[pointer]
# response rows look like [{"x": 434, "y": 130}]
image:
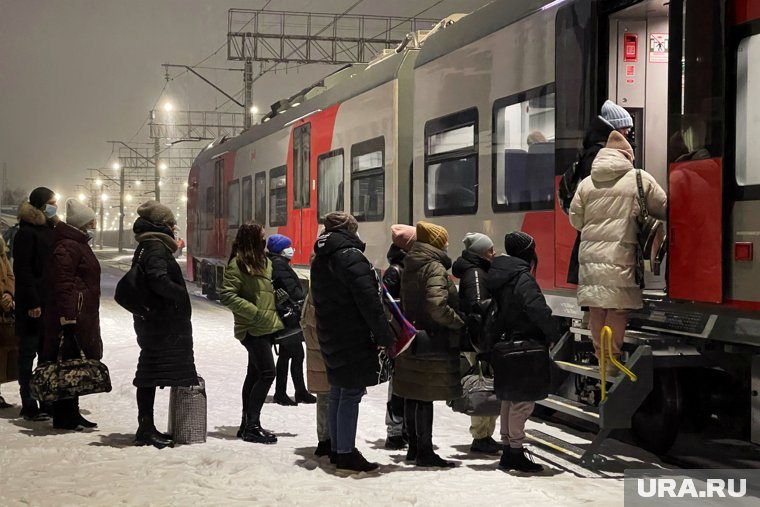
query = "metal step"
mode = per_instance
[
  {"x": 586, "y": 370},
  {"x": 571, "y": 407},
  {"x": 554, "y": 443},
  {"x": 631, "y": 336}
]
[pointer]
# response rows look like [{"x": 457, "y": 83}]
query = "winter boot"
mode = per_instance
[
  {"x": 31, "y": 412},
  {"x": 410, "y": 410},
  {"x": 80, "y": 418},
  {"x": 485, "y": 445},
  {"x": 395, "y": 443},
  {"x": 515, "y": 459},
  {"x": 305, "y": 397},
  {"x": 296, "y": 373},
  {"x": 426, "y": 457},
  {"x": 253, "y": 432},
  {"x": 324, "y": 448},
  {"x": 47, "y": 407},
  {"x": 66, "y": 415},
  {"x": 354, "y": 462},
  {"x": 242, "y": 426},
  {"x": 147, "y": 434},
  {"x": 284, "y": 400}
]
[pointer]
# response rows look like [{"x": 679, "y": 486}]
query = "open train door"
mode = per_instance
[{"x": 696, "y": 131}]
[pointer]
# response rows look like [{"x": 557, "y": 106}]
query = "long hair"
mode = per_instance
[{"x": 248, "y": 248}]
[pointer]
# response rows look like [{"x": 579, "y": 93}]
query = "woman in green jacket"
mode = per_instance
[{"x": 247, "y": 291}]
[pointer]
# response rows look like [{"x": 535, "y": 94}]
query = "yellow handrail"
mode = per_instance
[{"x": 605, "y": 346}]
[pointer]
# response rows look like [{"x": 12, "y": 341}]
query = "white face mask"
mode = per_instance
[{"x": 288, "y": 252}]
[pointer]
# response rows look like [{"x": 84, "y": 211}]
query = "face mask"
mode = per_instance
[
  {"x": 50, "y": 210},
  {"x": 90, "y": 233},
  {"x": 288, "y": 252}
]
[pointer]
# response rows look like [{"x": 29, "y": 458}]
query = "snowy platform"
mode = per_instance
[{"x": 43, "y": 466}]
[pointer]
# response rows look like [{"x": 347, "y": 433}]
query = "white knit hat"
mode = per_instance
[
  {"x": 477, "y": 243},
  {"x": 616, "y": 115},
  {"x": 77, "y": 214}
]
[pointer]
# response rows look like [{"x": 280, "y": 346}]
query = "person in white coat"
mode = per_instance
[{"x": 605, "y": 210}]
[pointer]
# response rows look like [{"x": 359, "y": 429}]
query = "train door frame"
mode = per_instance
[{"x": 302, "y": 184}]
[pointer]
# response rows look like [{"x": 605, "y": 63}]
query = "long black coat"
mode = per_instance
[
  {"x": 350, "y": 319},
  {"x": 165, "y": 336},
  {"x": 75, "y": 275},
  {"x": 32, "y": 250},
  {"x": 283, "y": 277},
  {"x": 523, "y": 312}
]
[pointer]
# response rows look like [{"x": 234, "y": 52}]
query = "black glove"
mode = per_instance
[{"x": 69, "y": 331}]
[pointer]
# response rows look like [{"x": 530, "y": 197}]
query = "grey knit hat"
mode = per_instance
[
  {"x": 341, "y": 220},
  {"x": 616, "y": 115},
  {"x": 77, "y": 214},
  {"x": 477, "y": 243},
  {"x": 156, "y": 213}
]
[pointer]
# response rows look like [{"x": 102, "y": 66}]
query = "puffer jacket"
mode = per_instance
[
  {"x": 472, "y": 271},
  {"x": 316, "y": 372},
  {"x": 605, "y": 210},
  {"x": 351, "y": 321},
  {"x": 284, "y": 277},
  {"x": 251, "y": 299},
  {"x": 430, "y": 301}
]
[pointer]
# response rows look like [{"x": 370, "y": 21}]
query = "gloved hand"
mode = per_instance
[{"x": 69, "y": 331}]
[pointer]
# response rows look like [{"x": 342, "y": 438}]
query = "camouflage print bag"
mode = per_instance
[{"x": 68, "y": 378}]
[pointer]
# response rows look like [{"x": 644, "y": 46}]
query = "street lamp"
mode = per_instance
[
  {"x": 162, "y": 166},
  {"x": 116, "y": 166},
  {"x": 168, "y": 107},
  {"x": 82, "y": 197}
]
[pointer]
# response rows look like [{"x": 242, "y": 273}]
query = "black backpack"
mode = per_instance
[
  {"x": 130, "y": 292},
  {"x": 486, "y": 325}
]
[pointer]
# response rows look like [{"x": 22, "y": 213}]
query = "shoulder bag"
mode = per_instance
[{"x": 130, "y": 292}]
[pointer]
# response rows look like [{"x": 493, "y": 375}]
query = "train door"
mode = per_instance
[{"x": 304, "y": 214}]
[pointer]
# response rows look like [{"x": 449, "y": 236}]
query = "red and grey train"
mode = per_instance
[{"x": 439, "y": 128}]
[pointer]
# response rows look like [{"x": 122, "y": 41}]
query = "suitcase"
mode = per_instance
[{"x": 187, "y": 413}]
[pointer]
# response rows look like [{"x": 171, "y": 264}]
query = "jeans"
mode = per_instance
[
  {"x": 28, "y": 348},
  {"x": 323, "y": 416},
  {"x": 344, "y": 416},
  {"x": 260, "y": 375}
]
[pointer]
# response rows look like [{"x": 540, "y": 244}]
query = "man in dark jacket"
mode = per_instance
[
  {"x": 283, "y": 277},
  {"x": 351, "y": 327},
  {"x": 32, "y": 249},
  {"x": 613, "y": 117},
  {"x": 523, "y": 314},
  {"x": 472, "y": 270}
]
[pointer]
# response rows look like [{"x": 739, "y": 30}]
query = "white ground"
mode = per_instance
[{"x": 43, "y": 466}]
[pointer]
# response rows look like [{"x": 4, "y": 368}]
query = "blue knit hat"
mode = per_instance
[
  {"x": 617, "y": 116},
  {"x": 276, "y": 243}
]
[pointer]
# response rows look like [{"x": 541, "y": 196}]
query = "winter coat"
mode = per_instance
[
  {"x": 472, "y": 271},
  {"x": 251, "y": 299},
  {"x": 351, "y": 322},
  {"x": 75, "y": 275},
  {"x": 430, "y": 301},
  {"x": 165, "y": 335},
  {"x": 523, "y": 312},
  {"x": 605, "y": 210},
  {"x": 7, "y": 280},
  {"x": 32, "y": 249},
  {"x": 595, "y": 139},
  {"x": 316, "y": 372},
  {"x": 284, "y": 277},
  {"x": 392, "y": 275}
]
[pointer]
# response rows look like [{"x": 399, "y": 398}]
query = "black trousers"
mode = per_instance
[
  {"x": 28, "y": 348},
  {"x": 260, "y": 374},
  {"x": 292, "y": 354}
]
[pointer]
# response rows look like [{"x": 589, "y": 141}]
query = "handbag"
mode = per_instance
[
  {"x": 130, "y": 292},
  {"x": 521, "y": 370},
  {"x": 429, "y": 347},
  {"x": 478, "y": 395},
  {"x": 649, "y": 229},
  {"x": 187, "y": 413},
  {"x": 69, "y": 378},
  {"x": 289, "y": 312},
  {"x": 385, "y": 366}
]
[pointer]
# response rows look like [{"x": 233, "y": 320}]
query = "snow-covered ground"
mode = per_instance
[{"x": 43, "y": 466}]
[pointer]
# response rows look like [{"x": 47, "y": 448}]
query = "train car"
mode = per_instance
[{"x": 471, "y": 127}]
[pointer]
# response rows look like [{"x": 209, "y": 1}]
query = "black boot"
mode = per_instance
[
  {"x": 281, "y": 381},
  {"x": 515, "y": 459},
  {"x": 410, "y": 410},
  {"x": 395, "y": 443},
  {"x": 305, "y": 397},
  {"x": 426, "y": 457},
  {"x": 485, "y": 446},
  {"x": 296, "y": 373},
  {"x": 284, "y": 400},
  {"x": 354, "y": 462},
  {"x": 147, "y": 434},
  {"x": 324, "y": 448},
  {"x": 31, "y": 412},
  {"x": 66, "y": 415},
  {"x": 242, "y": 426},
  {"x": 253, "y": 432},
  {"x": 80, "y": 418}
]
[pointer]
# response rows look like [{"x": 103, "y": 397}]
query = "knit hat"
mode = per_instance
[
  {"x": 276, "y": 243},
  {"x": 616, "y": 115},
  {"x": 477, "y": 243},
  {"x": 341, "y": 220},
  {"x": 40, "y": 197},
  {"x": 77, "y": 214},
  {"x": 403, "y": 236},
  {"x": 156, "y": 213},
  {"x": 521, "y": 245},
  {"x": 433, "y": 235},
  {"x": 617, "y": 141}
]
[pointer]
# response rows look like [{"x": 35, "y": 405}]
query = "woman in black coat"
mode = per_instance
[
  {"x": 32, "y": 249},
  {"x": 283, "y": 277},
  {"x": 351, "y": 327},
  {"x": 165, "y": 335}
]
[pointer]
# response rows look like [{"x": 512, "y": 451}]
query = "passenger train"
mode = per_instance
[{"x": 471, "y": 124}]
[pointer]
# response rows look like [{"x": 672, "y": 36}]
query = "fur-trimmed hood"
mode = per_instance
[{"x": 31, "y": 215}]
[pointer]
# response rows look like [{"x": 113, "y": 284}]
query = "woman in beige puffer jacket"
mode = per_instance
[{"x": 605, "y": 209}]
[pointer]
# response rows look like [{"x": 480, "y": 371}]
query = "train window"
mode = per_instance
[
  {"x": 210, "y": 208},
  {"x": 233, "y": 204},
  {"x": 301, "y": 166},
  {"x": 247, "y": 199},
  {"x": 523, "y": 151},
  {"x": 329, "y": 183},
  {"x": 451, "y": 164},
  {"x": 260, "y": 198},
  {"x": 278, "y": 196},
  {"x": 747, "y": 105},
  {"x": 368, "y": 180}
]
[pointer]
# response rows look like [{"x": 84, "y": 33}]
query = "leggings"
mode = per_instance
[{"x": 260, "y": 375}]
